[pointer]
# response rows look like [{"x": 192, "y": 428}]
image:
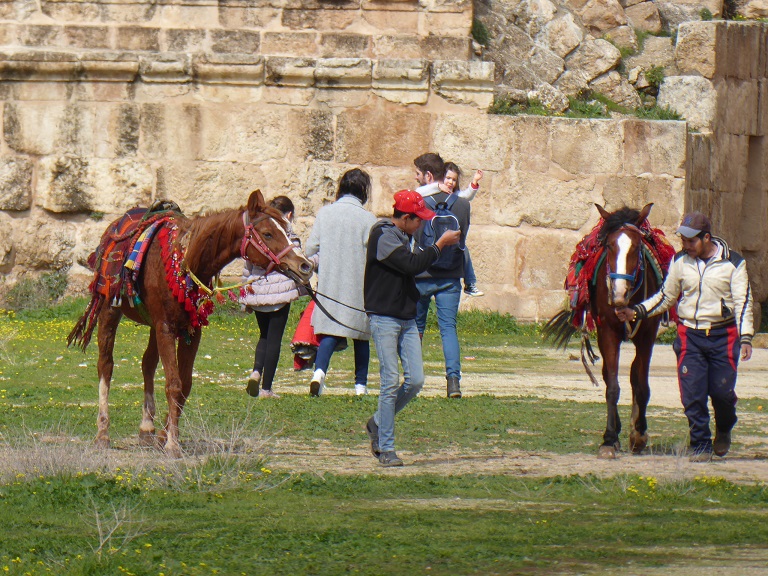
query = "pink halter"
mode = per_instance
[{"x": 253, "y": 238}]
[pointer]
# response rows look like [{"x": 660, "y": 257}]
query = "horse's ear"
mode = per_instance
[
  {"x": 603, "y": 212},
  {"x": 644, "y": 213},
  {"x": 256, "y": 203}
]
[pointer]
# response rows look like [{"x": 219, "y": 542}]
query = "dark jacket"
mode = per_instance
[
  {"x": 460, "y": 209},
  {"x": 390, "y": 267}
]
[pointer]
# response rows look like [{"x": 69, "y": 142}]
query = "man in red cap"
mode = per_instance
[
  {"x": 716, "y": 328},
  {"x": 390, "y": 302}
]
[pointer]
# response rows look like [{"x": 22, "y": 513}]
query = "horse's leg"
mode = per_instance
[
  {"x": 609, "y": 344},
  {"x": 109, "y": 318},
  {"x": 148, "y": 368},
  {"x": 168, "y": 437},
  {"x": 641, "y": 393},
  {"x": 186, "y": 354}
]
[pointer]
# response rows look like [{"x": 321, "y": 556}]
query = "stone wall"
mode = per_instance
[
  {"x": 197, "y": 103},
  {"x": 724, "y": 96}
]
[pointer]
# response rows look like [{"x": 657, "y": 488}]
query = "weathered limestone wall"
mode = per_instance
[
  {"x": 724, "y": 94},
  {"x": 105, "y": 106}
]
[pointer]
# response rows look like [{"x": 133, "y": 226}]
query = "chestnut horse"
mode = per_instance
[
  {"x": 625, "y": 275},
  {"x": 204, "y": 246}
]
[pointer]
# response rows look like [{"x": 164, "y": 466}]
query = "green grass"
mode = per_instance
[{"x": 227, "y": 510}]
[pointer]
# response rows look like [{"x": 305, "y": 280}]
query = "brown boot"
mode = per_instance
[{"x": 453, "y": 388}]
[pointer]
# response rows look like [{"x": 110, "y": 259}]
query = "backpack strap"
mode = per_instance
[
  {"x": 430, "y": 201},
  {"x": 451, "y": 200}
]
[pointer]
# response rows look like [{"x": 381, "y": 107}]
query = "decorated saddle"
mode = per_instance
[{"x": 589, "y": 255}]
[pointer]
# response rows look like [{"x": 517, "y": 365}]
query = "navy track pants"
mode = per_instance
[{"x": 706, "y": 368}]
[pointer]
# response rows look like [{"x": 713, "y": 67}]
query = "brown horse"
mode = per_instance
[
  {"x": 168, "y": 299},
  {"x": 625, "y": 274}
]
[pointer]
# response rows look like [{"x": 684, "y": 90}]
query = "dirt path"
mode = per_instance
[{"x": 563, "y": 379}]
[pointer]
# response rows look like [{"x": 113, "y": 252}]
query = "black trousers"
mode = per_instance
[
  {"x": 706, "y": 368},
  {"x": 271, "y": 328}
]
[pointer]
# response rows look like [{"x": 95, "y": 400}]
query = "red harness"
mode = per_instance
[{"x": 253, "y": 238}]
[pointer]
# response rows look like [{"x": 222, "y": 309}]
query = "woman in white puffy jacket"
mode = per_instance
[{"x": 269, "y": 297}]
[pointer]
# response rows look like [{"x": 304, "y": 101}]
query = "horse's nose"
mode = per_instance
[{"x": 305, "y": 268}]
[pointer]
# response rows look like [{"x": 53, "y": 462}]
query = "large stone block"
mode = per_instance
[
  {"x": 319, "y": 20},
  {"x": 205, "y": 187},
  {"x": 188, "y": 14},
  {"x": 335, "y": 45},
  {"x": 75, "y": 184},
  {"x": 562, "y": 35},
  {"x": 383, "y": 22},
  {"x": 599, "y": 16},
  {"x": 32, "y": 128},
  {"x": 729, "y": 163},
  {"x": 401, "y": 135},
  {"x": 693, "y": 97},
  {"x": 294, "y": 72},
  {"x": 614, "y": 86},
  {"x": 696, "y": 48},
  {"x": 132, "y": 12},
  {"x": 401, "y": 81},
  {"x": 762, "y": 113},
  {"x": 667, "y": 195},
  {"x": 15, "y": 183},
  {"x": 531, "y": 143},
  {"x": 315, "y": 132},
  {"x": 542, "y": 259},
  {"x": 654, "y": 147},
  {"x": 294, "y": 44},
  {"x": 546, "y": 200},
  {"x": 235, "y": 41},
  {"x": 587, "y": 146},
  {"x": 464, "y": 82},
  {"x": 343, "y": 73},
  {"x": 473, "y": 141},
  {"x": 657, "y": 51},
  {"x": 448, "y": 23},
  {"x": 44, "y": 244},
  {"x": 698, "y": 173},
  {"x": 385, "y": 182},
  {"x": 39, "y": 35},
  {"x": 69, "y": 11},
  {"x": 86, "y": 36},
  {"x": 137, "y": 38},
  {"x": 644, "y": 16},
  {"x": 533, "y": 16},
  {"x": 737, "y": 105},
  {"x": 248, "y": 16},
  {"x": 594, "y": 58},
  {"x": 183, "y": 40}
]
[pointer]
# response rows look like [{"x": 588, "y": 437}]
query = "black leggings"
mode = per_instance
[{"x": 271, "y": 328}]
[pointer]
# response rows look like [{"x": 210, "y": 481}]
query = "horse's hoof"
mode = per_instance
[
  {"x": 607, "y": 453},
  {"x": 173, "y": 452},
  {"x": 147, "y": 439},
  {"x": 101, "y": 442},
  {"x": 637, "y": 442}
]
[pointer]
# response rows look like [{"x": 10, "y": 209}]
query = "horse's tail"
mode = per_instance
[
  {"x": 81, "y": 333},
  {"x": 560, "y": 329}
]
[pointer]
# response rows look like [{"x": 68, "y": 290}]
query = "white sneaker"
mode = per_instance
[
  {"x": 361, "y": 389},
  {"x": 317, "y": 384},
  {"x": 473, "y": 290}
]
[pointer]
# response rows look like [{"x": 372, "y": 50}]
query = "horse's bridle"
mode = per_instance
[
  {"x": 251, "y": 237},
  {"x": 639, "y": 272}
]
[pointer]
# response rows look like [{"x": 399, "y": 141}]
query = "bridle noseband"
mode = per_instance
[
  {"x": 251, "y": 237},
  {"x": 636, "y": 278}
]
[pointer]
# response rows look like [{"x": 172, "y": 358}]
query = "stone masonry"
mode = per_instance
[{"x": 106, "y": 106}]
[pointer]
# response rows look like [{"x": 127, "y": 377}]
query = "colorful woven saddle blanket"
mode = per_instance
[
  {"x": 117, "y": 260},
  {"x": 589, "y": 256}
]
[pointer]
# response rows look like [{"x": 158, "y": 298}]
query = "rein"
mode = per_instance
[{"x": 313, "y": 294}]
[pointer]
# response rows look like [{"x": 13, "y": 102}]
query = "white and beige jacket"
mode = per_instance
[{"x": 716, "y": 296}]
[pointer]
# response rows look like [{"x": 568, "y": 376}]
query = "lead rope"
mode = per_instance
[{"x": 627, "y": 326}]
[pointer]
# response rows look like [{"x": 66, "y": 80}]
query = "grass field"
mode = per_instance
[{"x": 226, "y": 509}]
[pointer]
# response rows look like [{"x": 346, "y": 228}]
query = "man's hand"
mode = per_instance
[
  {"x": 448, "y": 238},
  {"x": 746, "y": 351},
  {"x": 625, "y": 314}
]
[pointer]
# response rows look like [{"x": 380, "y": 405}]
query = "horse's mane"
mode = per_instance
[{"x": 616, "y": 220}]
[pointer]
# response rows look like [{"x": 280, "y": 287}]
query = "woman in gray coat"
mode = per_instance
[{"x": 340, "y": 238}]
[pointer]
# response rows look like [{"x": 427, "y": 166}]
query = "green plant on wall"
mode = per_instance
[
  {"x": 480, "y": 33},
  {"x": 35, "y": 293},
  {"x": 507, "y": 107},
  {"x": 705, "y": 14},
  {"x": 655, "y": 76}
]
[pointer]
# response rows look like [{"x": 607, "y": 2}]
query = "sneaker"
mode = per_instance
[
  {"x": 389, "y": 459},
  {"x": 253, "y": 384},
  {"x": 472, "y": 290},
  {"x": 317, "y": 384},
  {"x": 361, "y": 389},
  {"x": 373, "y": 435},
  {"x": 722, "y": 443},
  {"x": 702, "y": 455},
  {"x": 268, "y": 394}
]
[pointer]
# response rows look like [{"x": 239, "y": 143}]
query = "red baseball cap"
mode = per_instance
[{"x": 411, "y": 202}]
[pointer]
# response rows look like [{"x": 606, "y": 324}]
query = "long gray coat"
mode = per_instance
[{"x": 340, "y": 237}]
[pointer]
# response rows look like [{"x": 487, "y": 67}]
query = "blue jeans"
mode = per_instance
[
  {"x": 447, "y": 293},
  {"x": 329, "y": 344},
  {"x": 469, "y": 270},
  {"x": 394, "y": 337}
]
